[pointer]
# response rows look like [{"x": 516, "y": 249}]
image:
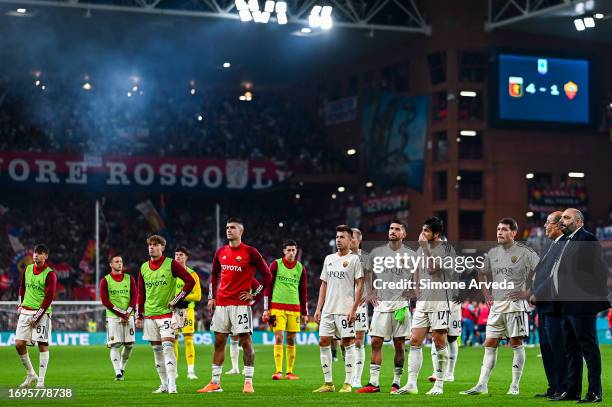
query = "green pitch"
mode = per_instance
[{"x": 88, "y": 371}]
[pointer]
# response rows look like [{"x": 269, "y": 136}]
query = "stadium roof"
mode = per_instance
[{"x": 80, "y": 41}]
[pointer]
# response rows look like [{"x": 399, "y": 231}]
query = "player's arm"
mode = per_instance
[
  {"x": 50, "y": 287},
  {"x": 133, "y": 296},
  {"x": 215, "y": 277},
  {"x": 532, "y": 261},
  {"x": 196, "y": 294},
  {"x": 141, "y": 300},
  {"x": 321, "y": 301},
  {"x": 482, "y": 278},
  {"x": 107, "y": 302},
  {"x": 181, "y": 272},
  {"x": 263, "y": 269},
  {"x": 371, "y": 296},
  {"x": 358, "y": 291},
  {"x": 268, "y": 291},
  {"x": 21, "y": 290},
  {"x": 322, "y": 292},
  {"x": 304, "y": 293}
]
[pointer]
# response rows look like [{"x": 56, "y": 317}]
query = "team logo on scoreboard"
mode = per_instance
[
  {"x": 570, "y": 89},
  {"x": 515, "y": 86}
]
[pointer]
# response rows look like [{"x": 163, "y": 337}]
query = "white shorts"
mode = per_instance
[
  {"x": 454, "y": 327},
  {"x": 40, "y": 333},
  {"x": 156, "y": 329},
  {"x": 361, "y": 319},
  {"x": 508, "y": 325},
  {"x": 336, "y": 325},
  {"x": 434, "y": 320},
  {"x": 384, "y": 325},
  {"x": 118, "y": 332},
  {"x": 232, "y": 319}
]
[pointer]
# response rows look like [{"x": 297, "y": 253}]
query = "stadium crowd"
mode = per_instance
[{"x": 63, "y": 118}]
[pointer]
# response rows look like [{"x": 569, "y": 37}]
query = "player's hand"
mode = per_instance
[
  {"x": 246, "y": 296},
  {"x": 32, "y": 322},
  {"x": 370, "y": 298},
  {"x": 305, "y": 319},
  {"x": 352, "y": 316},
  {"x": 317, "y": 316},
  {"x": 533, "y": 300},
  {"x": 265, "y": 317},
  {"x": 211, "y": 305},
  {"x": 139, "y": 323},
  {"x": 518, "y": 295},
  {"x": 423, "y": 242}
]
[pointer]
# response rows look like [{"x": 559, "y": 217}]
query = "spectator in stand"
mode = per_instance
[
  {"x": 468, "y": 318},
  {"x": 482, "y": 315}
]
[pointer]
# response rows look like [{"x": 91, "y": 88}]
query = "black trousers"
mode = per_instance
[
  {"x": 580, "y": 335},
  {"x": 552, "y": 347}
]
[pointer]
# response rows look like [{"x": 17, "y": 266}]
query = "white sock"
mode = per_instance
[
  {"x": 442, "y": 360},
  {"x": 374, "y": 374},
  {"x": 415, "y": 360},
  {"x": 25, "y": 360},
  {"x": 216, "y": 374},
  {"x": 488, "y": 363},
  {"x": 518, "y": 363},
  {"x": 234, "y": 354},
  {"x": 248, "y": 373},
  {"x": 359, "y": 359},
  {"x": 170, "y": 361},
  {"x": 190, "y": 369},
  {"x": 326, "y": 362},
  {"x": 453, "y": 351},
  {"x": 397, "y": 374},
  {"x": 115, "y": 358},
  {"x": 125, "y": 355},
  {"x": 434, "y": 358},
  {"x": 160, "y": 364},
  {"x": 349, "y": 363},
  {"x": 42, "y": 368}
]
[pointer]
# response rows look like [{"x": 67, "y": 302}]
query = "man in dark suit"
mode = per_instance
[
  {"x": 580, "y": 284},
  {"x": 549, "y": 312}
]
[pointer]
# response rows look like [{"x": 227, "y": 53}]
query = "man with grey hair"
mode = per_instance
[
  {"x": 550, "y": 328},
  {"x": 580, "y": 284}
]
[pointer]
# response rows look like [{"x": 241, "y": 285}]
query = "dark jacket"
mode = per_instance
[
  {"x": 582, "y": 276},
  {"x": 543, "y": 287}
]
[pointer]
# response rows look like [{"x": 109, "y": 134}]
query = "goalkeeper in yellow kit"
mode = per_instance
[{"x": 181, "y": 254}]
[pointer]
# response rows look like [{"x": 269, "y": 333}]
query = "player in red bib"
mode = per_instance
[{"x": 233, "y": 270}]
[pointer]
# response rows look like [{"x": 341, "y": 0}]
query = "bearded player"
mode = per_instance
[
  {"x": 118, "y": 294},
  {"x": 157, "y": 300},
  {"x": 391, "y": 318},
  {"x": 289, "y": 308},
  {"x": 181, "y": 255},
  {"x": 233, "y": 270},
  {"x": 339, "y": 298}
]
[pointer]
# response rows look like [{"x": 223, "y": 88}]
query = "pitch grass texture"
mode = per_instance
[{"x": 88, "y": 371}]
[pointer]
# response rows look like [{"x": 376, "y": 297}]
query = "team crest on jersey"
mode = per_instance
[
  {"x": 238, "y": 258},
  {"x": 514, "y": 259},
  {"x": 345, "y": 263},
  {"x": 224, "y": 257},
  {"x": 112, "y": 338}
]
